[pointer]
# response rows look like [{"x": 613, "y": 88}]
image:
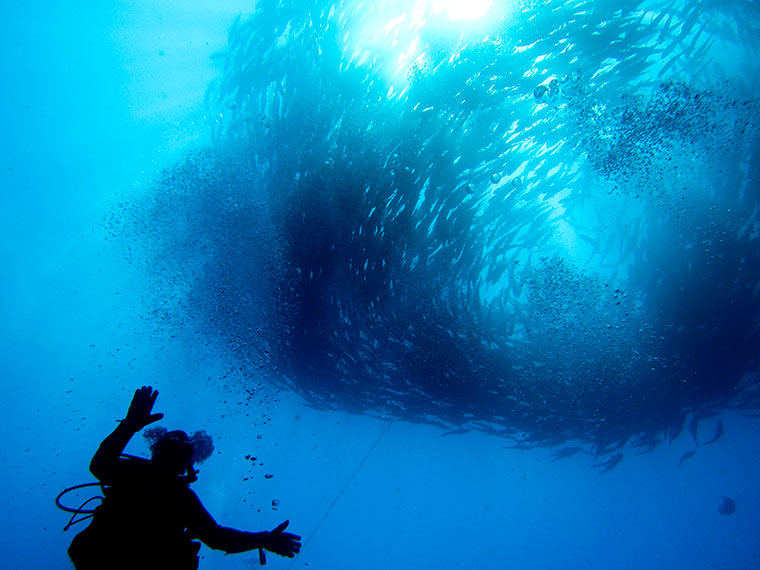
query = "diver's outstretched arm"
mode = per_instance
[
  {"x": 232, "y": 541},
  {"x": 138, "y": 416},
  {"x": 277, "y": 541}
]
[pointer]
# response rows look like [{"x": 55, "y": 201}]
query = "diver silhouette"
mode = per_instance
[{"x": 150, "y": 518}]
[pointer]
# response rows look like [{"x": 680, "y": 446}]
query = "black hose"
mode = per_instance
[{"x": 79, "y": 510}]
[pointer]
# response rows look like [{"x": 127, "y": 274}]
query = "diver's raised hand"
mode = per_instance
[
  {"x": 283, "y": 543},
  {"x": 139, "y": 414}
]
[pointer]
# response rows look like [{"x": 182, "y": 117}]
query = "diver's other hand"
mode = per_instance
[
  {"x": 283, "y": 543},
  {"x": 139, "y": 413}
]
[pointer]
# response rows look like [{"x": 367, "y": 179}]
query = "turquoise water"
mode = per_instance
[{"x": 407, "y": 255}]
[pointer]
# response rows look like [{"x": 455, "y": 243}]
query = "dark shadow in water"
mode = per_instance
[{"x": 386, "y": 255}]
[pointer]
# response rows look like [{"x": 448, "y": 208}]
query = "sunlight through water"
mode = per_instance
[{"x": 463, "y": 9}]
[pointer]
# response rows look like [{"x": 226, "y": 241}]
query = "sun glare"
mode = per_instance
[
  {"x": 395, "y": 34},
  {"x": 464, "y": 9}
]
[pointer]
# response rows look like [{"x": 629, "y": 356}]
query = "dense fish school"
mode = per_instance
[{"x": 544, "y": 226}]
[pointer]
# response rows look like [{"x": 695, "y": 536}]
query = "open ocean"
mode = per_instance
[{"x": 451, "y": 284}]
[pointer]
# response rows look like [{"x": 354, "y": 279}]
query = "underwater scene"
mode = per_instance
[{"x": 452, "y": 284}]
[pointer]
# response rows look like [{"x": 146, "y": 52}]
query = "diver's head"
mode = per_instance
[{"x": 173, "y": 453}]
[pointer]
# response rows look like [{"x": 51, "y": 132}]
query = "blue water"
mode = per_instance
[{"x": 404, "y": 257}]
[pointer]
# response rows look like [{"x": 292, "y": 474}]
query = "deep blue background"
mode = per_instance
[{"x": 96, "y": 100}]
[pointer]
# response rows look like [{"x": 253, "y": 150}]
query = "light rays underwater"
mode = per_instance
[{"x": 541, "y": 223}]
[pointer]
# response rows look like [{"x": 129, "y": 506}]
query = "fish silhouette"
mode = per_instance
[
  {"x": 728, "y": 506},
  {"x": 718, "y": 433},
  {"x": 686, "y": 456},
  {"x": 609, "y": 463},
  {"x": 460, "y": 431},
  {"x": 565, "y": 452}
]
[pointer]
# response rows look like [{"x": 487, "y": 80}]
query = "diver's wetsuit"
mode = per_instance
[{"x": 148, "y": 519}]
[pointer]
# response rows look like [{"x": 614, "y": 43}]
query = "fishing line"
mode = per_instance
[{"x": 345, "y": 486}]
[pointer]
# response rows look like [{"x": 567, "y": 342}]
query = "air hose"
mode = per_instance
[{"x": 81, "y": 510}]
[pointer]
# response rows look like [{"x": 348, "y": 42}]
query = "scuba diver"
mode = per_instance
[{"x": 149, "y": 518}]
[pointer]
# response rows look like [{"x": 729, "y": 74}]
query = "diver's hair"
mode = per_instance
[
  {"x": 203, "y": 446},
  {"x": 202, "y": 442}
]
